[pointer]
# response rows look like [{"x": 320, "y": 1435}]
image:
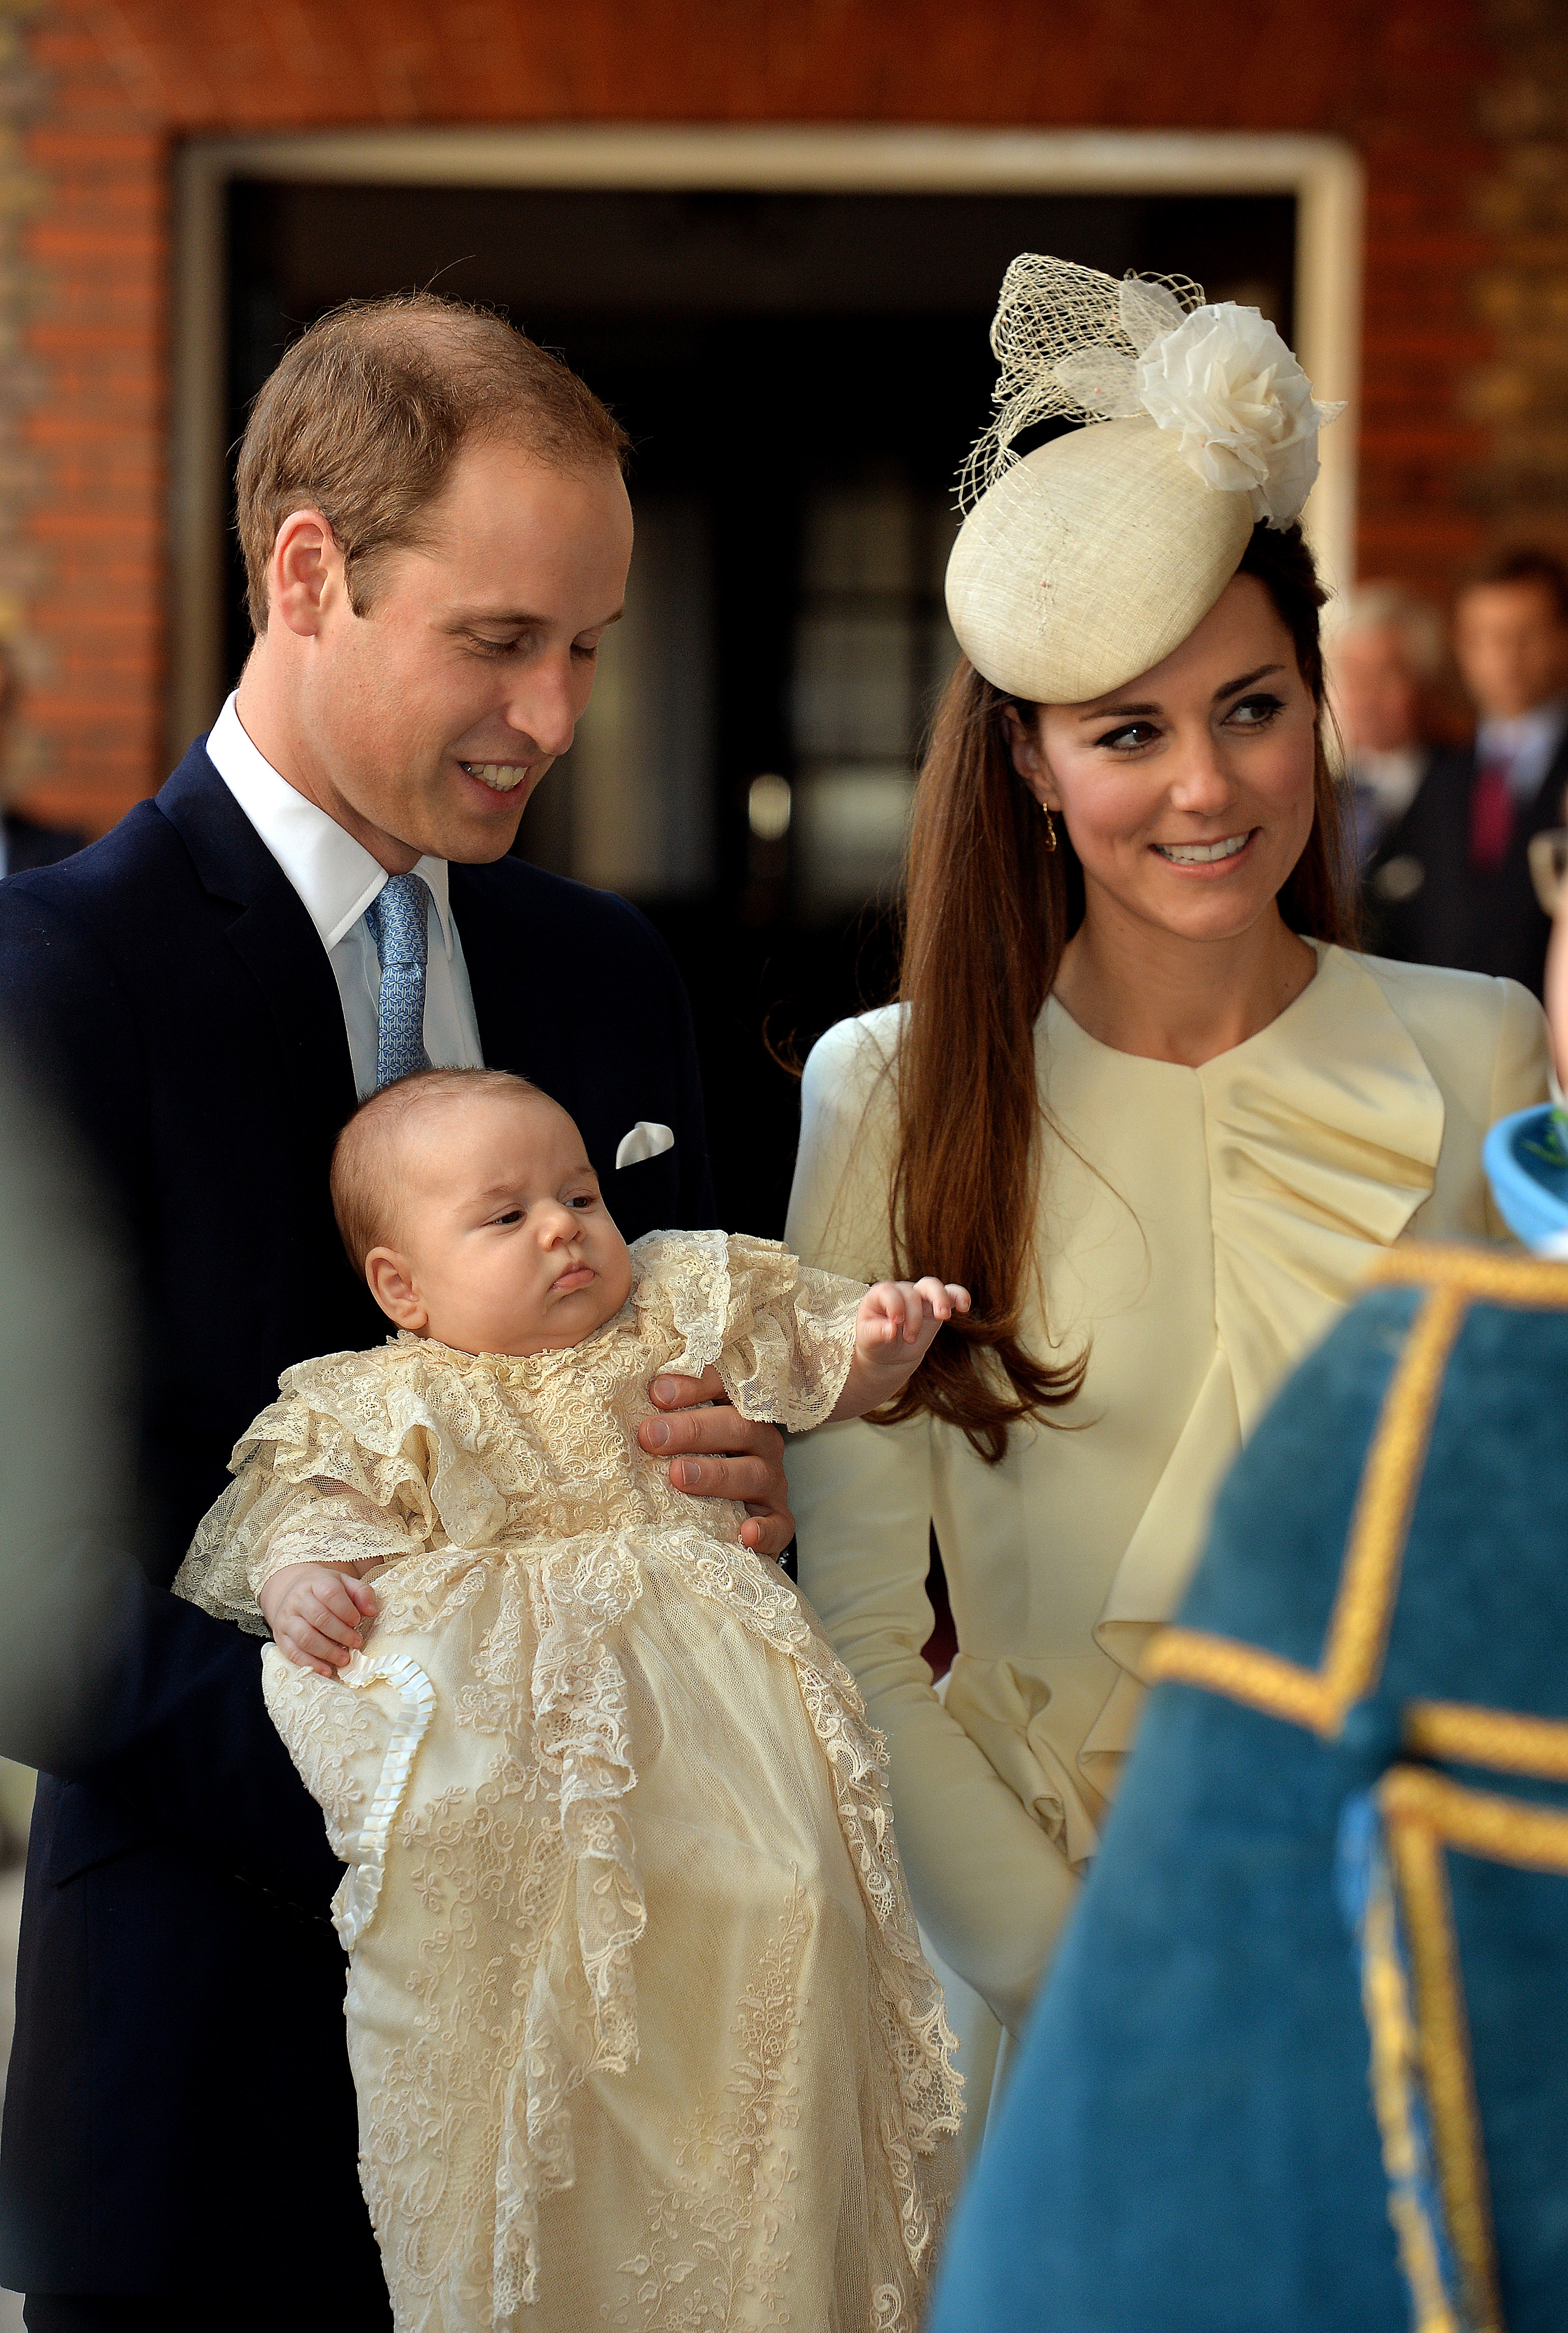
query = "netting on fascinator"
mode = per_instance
[
  {"x": 1068, "y": 338},
  {"x": 1076, "y": 345}
]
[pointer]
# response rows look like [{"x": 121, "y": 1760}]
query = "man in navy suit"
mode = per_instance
[
  {"x": 1449, "y": 881},
  {"x": 436, "y": 536}
]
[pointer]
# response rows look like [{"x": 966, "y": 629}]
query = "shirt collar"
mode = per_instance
[
  {"x": 335, "y": 877},
  {"x": 1542, "y": 725}
]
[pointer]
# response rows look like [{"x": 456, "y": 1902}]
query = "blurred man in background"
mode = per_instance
[
  {"x": 1449, "y": 881},
  {"x": 1384, "y": 658},
  {"x": 24, "y": 841}
]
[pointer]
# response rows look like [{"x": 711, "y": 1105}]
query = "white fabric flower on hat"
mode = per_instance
[
  {"x": 1245, "y": 411},
  {"x": 1224, "y": 380}
]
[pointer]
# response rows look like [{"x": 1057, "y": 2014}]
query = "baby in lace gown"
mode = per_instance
[{"x": 639, "y": 2023}]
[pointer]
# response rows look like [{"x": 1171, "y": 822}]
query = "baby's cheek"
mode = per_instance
[{"x": 617, "y": 1278}]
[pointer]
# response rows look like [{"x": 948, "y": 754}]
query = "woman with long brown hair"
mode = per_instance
[{"x": 1139, "y": 1093}]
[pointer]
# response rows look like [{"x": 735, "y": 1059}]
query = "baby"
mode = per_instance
[{"x": 640, "y": 2027}]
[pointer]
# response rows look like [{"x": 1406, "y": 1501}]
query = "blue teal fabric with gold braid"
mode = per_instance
[{"x": 1216, "y": 2122}]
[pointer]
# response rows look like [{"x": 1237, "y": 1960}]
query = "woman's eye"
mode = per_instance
[
  {"x": 586, "y": 650},
  {"x": 1255, "y": 712},
  {"x": 1127, "y": 739}
]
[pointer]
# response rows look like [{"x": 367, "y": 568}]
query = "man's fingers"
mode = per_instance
[
  {"x": 748, "y": 1481},
  {"x": 684, "y": 1393},
  {"x": 768, "y": 1533},
  {"x": 719, "y": 1429}
]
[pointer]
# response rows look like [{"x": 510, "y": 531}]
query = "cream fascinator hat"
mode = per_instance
[{"x": 1083, "y": 563}]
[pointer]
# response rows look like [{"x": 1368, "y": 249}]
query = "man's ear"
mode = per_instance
[
  {"x": 391, "y": 1282},
  {"x": 304, "y": 572},
  {"x": 1029, "y": 756}
]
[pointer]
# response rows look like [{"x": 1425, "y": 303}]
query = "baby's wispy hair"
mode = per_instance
[{"x": 363, "y": 1183}]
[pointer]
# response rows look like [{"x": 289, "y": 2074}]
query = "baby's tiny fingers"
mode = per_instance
[
  {"x": 312, "y": 1647},
  {"x": 334, "y": 1618}
]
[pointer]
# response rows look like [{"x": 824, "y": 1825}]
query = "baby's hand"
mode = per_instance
[
  {"x": 893, "y": 1329},
  {"x": 316, "y": 1615},
  {"x": 898, "y": 1318}
]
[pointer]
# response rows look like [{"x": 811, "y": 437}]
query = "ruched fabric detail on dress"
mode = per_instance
[{"x": 1318, "y": 1157}]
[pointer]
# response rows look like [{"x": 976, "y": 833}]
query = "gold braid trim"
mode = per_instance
[
  {"x": 1477, "y": 1823},
  {"x": 1264, "y": 1681},
  {"x": 1395, "y": 2056},
  {"x": 1479, "y": 1275},
  {"x": 1425, "y": 1815},
  {"x": 1463, "y": 1735},
  {"x": 1369, "y": 1578}
]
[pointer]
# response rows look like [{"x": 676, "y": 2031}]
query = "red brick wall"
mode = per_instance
[{"x": 124, "y": 80}]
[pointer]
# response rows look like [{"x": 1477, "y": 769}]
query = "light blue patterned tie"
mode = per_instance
[{"x": 398, "y": 918}]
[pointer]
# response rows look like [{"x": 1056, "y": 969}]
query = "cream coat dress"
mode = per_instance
[
  {"x": 639, "y": 2025},
  {"x": 1199, "y": 1230}
]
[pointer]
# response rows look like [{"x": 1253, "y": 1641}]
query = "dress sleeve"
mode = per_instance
[
  {"x": 991, "y": 1888},
  {"x": 789, "y": 1336},
  {"x": 301, "y": 1493}
]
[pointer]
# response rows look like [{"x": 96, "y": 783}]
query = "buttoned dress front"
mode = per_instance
[{"x": 1198, "y": 1231}]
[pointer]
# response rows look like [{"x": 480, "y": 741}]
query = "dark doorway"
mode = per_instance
[{"x": 802, "y": 375}]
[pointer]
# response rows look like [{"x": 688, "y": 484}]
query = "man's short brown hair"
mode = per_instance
[
  {"x": 365, "y": 414},
  {"x": 1541, "y": 570}
]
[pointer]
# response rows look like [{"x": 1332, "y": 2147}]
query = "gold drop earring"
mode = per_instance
[{"x": 1050, "y": 827}]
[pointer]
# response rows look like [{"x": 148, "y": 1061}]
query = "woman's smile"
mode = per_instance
[{"x": 1206, "y": 858}]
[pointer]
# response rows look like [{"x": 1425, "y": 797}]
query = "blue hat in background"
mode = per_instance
[{"x": 1527, "y": 1162}]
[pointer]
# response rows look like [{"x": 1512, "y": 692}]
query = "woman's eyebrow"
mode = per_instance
[
  {"x": 1117, "y": 712},
  {"x": 1232, "y": 687},
  {"x": 1127, "y": 712}
]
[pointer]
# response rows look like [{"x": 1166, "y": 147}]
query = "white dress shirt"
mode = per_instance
[
  {"x": 1525, "y": 746},
  {"x": 337, "y": 879}
]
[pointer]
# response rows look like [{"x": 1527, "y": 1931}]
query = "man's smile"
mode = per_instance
[{"x": 501, "y": 777}]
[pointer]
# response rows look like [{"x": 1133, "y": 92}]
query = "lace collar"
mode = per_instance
[{"x": 513, "y": 1368}]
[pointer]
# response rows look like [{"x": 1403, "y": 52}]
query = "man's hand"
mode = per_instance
[
  {"x": 716, "y": 1454},
  {"x": 316, "y": 1615},
  {"x": 894, "y": 1331}
]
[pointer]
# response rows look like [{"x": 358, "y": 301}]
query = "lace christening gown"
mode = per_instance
[{"x": 640, "y": 2027}]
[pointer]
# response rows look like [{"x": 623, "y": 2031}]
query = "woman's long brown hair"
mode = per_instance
[{"x": 990, "y": 910}]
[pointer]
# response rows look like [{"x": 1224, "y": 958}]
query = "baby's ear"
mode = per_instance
[{"x": 391, "y": 1283}]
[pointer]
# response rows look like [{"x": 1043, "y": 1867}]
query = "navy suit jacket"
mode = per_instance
[
  {"x": 1426, "y": 903},
  {"x": 28, "y": 844},
  {"x": 180, "y": 2064}
]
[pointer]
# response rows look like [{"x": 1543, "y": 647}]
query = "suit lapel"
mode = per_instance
[
  {"x": 1547, "y": 808},
  {"x": 273, "y": 938},
  {"x": 499, "y": 1035}
]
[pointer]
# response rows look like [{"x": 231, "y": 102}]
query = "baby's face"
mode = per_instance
[{"x": 502, "y": 1242}]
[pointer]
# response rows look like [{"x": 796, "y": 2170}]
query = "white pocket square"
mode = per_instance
[{"x": 645, "y": 1140}]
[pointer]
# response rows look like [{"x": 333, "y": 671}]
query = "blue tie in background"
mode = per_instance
[{"x": 398, "y": 918}]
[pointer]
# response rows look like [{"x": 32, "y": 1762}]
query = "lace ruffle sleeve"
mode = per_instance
[
  {"x": 347, "y": 1466},
  {"x": 780, "y": 1335}
]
